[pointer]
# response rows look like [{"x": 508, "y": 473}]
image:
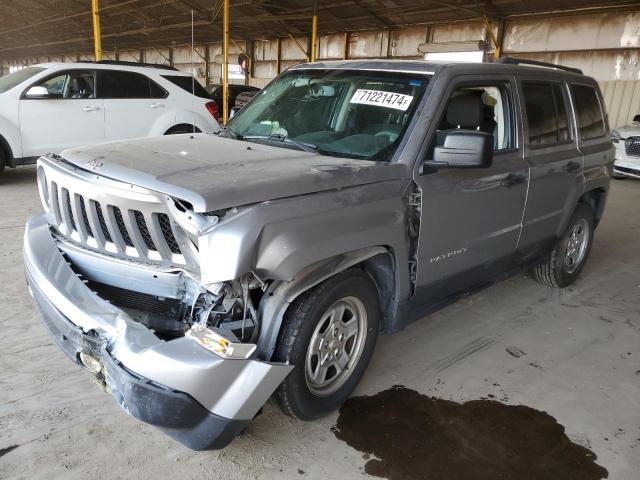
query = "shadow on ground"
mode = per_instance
[{"x": 15, "y": 177}]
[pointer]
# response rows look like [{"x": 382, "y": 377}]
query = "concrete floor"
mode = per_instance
[{"x": 582, "y": 366}]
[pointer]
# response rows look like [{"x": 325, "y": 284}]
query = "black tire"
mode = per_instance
[
  {"x": 554, "y": 271},
  {"x": 182, "y": 129},
  {"x": 294, "y": 396},
  {"x": 3, "y": 161}
]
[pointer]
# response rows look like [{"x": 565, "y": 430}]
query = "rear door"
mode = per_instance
[
  {"x": 555, "y": 160},
  {"x": 132, "y": 102},
  {"x": 470, "y": 219},
  {"x": 67, "y": 115}
]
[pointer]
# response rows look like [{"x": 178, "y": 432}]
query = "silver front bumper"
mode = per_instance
[{"x": 233, "y": 389}]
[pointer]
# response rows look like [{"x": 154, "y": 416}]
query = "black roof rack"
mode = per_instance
[
  {"x": 522, "y": 61},
  {"x": 131, "y": 64}
]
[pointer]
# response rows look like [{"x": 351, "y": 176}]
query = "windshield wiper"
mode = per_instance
[{"x": 281, "y": 138}]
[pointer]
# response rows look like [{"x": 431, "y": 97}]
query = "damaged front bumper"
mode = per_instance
[{"x": 195, "y": 396}]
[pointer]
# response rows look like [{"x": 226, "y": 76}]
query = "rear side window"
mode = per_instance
[
  {"x": 188, "y": 84},
  {"x": 119, "y": 84},
  {"x": 588, "y": 111},
  {"x": 546, "y": 114}
]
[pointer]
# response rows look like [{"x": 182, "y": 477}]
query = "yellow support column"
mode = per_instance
[
  {"x": 314, "y": 37},
  {"x": 96, "y": 30},
  {"x": 225, "y": 65},
  {"x": 497, "y": 46}
]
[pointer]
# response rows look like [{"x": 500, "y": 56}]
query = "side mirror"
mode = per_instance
[
  {"x": 232, "y": 112},
  {"x": 37, "y": 92},
  {"x": 463, "y": 149}
]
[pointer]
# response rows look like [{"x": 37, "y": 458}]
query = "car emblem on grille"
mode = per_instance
[{"x": 94, "y": 164}]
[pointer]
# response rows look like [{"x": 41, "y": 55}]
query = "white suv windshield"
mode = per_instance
[
  {"x": 349, "y": 113},
  {"x": 16, "y": 78}
]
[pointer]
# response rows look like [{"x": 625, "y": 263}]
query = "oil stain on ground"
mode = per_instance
[{"x": 412, "y": 436}]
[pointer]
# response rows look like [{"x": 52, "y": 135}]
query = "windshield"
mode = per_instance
[
  {"x": 16, "y": 78},
  {"x": 356, "y": 114}
]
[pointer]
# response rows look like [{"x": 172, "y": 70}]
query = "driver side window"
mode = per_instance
[
  {"x": 482, "y": 108},
  {"x": 70, "y": 85}
]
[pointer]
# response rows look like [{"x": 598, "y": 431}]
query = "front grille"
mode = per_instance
[
  {"x": 85, "y": 218},
  {"x": 67, "y": 205},
  {"x": 129, "y": 223},
  {"x": 167, "y": 232},
  {"x": 103, "y": 224},
  {"x": 122, "y": 227},
  {"x": 144, "y": 231},
  {"x": 632, "y": 146}
]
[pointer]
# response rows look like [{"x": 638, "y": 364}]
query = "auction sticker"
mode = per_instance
[{"x": 382, "y": 99}]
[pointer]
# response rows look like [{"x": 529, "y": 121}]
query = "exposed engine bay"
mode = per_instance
[{"x": 230, "y": 310}]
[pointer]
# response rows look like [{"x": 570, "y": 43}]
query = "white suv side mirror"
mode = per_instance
[{"x": 37, "y": 92}]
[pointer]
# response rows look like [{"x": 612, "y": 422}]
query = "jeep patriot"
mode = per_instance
[{"x": 196, "y": 276}]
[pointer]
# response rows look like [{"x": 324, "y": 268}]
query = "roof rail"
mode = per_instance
[
  {"x": 131, "y": 64},
  {"x": 522, "y": 61}
]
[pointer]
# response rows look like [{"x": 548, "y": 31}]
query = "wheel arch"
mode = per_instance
[
  {"x": 378, "y": 262},
  {"x": 189, "y": 126},
  {"x": 8, "y": 153},
  {"x": 596, "y": 199}
]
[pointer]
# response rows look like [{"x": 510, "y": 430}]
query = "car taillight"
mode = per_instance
[{"x": 213, "y": 109}]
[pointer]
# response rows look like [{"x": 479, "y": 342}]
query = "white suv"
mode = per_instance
[
  {"x": 47, "y": 108},
  {"x": 627, "y": 142}
]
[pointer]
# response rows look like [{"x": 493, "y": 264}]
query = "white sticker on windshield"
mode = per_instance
[{"x": 382, "y": 99}]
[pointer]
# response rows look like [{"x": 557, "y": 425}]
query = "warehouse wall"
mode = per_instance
[{"x": 605, "y": 46}]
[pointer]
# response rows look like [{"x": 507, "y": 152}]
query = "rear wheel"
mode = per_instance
[
  {"x": 571, "y": 251},
  {"x": 328, "y": 334}
]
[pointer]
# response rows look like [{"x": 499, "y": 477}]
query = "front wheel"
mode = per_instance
[
  {"x": 328, "y": 334},
  {"x": 570, "y": 254}
]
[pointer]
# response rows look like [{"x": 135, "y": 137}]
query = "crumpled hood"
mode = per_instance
[{"x": 214, "y": 173}]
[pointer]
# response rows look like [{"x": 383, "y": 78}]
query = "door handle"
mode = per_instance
[
  {"x": 571, "y": 167},
  {"x": 90, "y": 108},
  {"x": 157, "y": 105}
]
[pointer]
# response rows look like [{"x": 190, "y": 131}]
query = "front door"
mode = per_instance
[
  {"x": 471, "y": 218},
  {"x": 67, "y": 115}
]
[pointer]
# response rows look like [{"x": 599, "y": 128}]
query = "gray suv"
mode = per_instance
[{"x": 196, "y": 276}]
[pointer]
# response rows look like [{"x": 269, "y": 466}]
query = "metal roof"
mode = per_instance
[{"x": 54, "y": 27}]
